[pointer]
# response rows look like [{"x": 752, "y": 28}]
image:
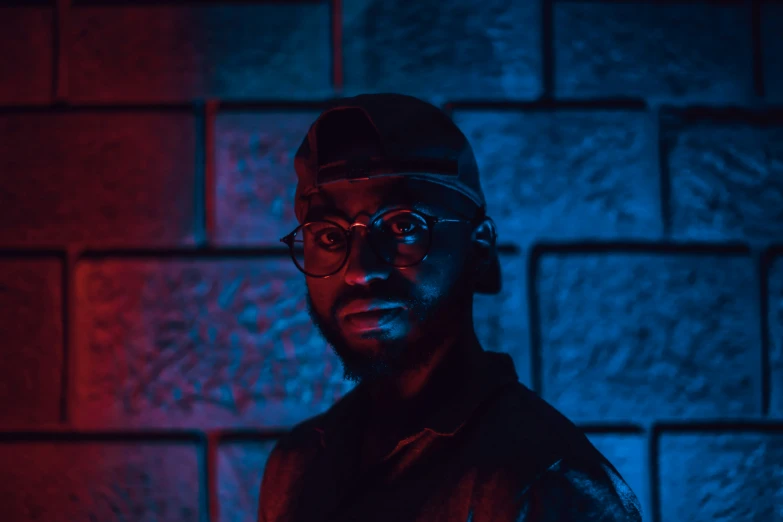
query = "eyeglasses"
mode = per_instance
[{"x": 400, "y": 238}]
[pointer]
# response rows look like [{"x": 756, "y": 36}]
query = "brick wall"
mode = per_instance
[{"x": 155, "y": 340}]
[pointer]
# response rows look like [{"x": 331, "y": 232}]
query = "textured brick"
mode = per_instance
[
  {"x": 639, "y": 337},
  {"x": 255, "y": 175},
  {"x": 32, "y": 346},
  {"x": 726, "y": 180},
  {"x": 569, "y": 174},
  {"x": 198, "y": 343},
  {"x": 166, "y": 53},
  {"x": 93, "y": 480},
  {"x": 97, "y": 178},
  {"x": 721, "y": 476},
  {"x": 240, "y": 469},
  {"x": 775, "y": 317},
  {"x": 437, "y": 50},
  {"x": 628, "y": 453},
  {"x": 501, "y": 321},
  {"x": 660, "y": 52},
  {"x": 26, "y": 63},
  {"x": 772, "y": 49}
]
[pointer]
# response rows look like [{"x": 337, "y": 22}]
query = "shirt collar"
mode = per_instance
[{"x": 448, "y": 404}]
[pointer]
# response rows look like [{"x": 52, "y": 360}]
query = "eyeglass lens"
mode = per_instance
[{"x": 401, "y": 238}]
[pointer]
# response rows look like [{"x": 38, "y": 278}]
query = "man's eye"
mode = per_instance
[
  {"x": 402, "y": 227},
  {"x": 329, "y": 238}
]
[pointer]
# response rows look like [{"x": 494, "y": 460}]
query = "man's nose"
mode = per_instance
[{"x": 363, "y": 264}]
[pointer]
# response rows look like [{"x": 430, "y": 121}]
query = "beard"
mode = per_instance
[{"x": 430, "y": 320}]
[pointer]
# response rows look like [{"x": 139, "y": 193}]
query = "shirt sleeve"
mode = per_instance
[{"x": 580, "y": 493}]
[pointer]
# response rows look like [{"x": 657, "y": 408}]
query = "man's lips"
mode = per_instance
[
  {"x": 371, "y": 320},
  {"x": 368, "y": 307},
  {"x": 364, "y": 315}
]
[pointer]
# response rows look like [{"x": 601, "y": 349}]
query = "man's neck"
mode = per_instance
[{"x": 398, "y": 402}]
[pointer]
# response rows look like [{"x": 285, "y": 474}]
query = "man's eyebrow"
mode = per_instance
[
  {"x": 329, "y": 213},
  {"x": 420, "y": 205},
  {"x": 435, "y": 210},
  {"x": 332, "y": 213}
]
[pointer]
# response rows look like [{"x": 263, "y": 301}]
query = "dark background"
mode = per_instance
[{"x": 154, "y": 335}]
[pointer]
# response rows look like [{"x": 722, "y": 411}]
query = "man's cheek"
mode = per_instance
[
  {"x": 429, "y": 292},
  {"x": 320, "y": 299},
  {"x": 319, "y": 310}
]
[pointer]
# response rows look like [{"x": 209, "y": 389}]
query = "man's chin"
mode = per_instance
[
  {"x": 366, "y": 372},
  {"x": 369, "y": 359}
]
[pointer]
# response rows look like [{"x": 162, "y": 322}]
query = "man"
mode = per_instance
[{"x": 393, "y": 241}]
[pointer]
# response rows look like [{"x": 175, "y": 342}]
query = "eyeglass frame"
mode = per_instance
[{"x": 428, "y": 218}]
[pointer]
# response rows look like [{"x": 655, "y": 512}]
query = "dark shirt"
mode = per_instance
[{"x": 490, "y": 451}]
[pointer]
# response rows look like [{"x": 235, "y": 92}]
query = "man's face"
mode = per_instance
[{"x": 424, "y": 303}]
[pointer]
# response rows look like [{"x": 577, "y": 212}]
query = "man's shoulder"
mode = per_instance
[
  {"x": 517, "y": 415},
  {"x": 546, "y": 461},
  {"x": 286, "y": 462},
  {"x": 520, "y": 430},
  {"x": 300, "y": 438},
  {"x": 579, "y": 490}
]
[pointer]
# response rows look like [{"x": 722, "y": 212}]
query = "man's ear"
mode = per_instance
[{"x": 484, "y": 237}]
